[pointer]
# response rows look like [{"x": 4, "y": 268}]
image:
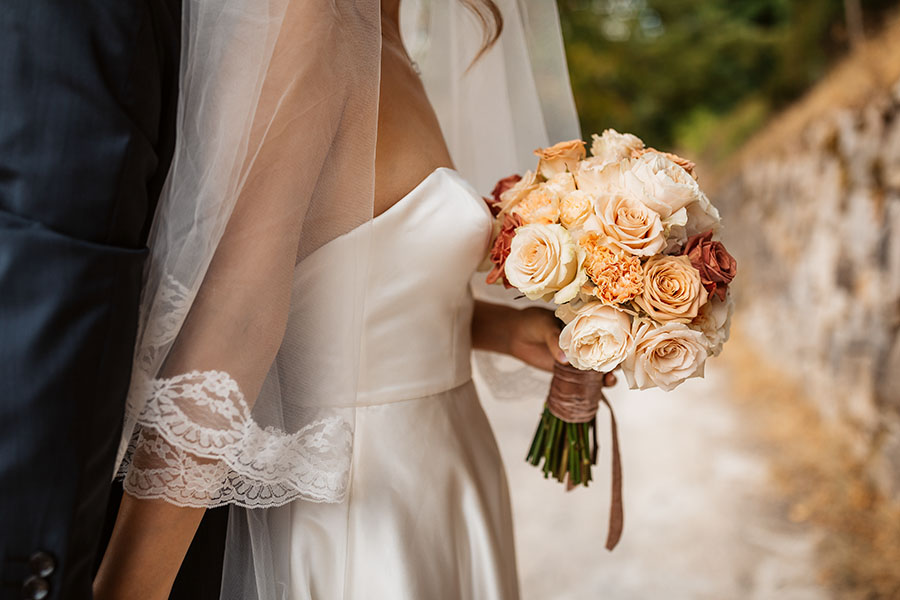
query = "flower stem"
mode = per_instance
[{"x": 565, "y": 448}]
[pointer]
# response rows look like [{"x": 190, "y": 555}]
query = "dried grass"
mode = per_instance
[{"x": 823, "y": 482}]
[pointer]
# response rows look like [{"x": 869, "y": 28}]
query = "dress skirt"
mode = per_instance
[{"x": 427, "y": 515}]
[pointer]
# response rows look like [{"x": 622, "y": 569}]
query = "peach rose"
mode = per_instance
[
  {"x": 664, "y": 355},
  {"x": 714, "y": 322},
  {"x": 545, "y": 263},
  {"x": 575, "y": 208},
  {"x": 560, "y": 157},
  {"x": 540, "y": 206},
  {"x": 613, "y": 146},
  {"x": 500, "y": 249},
  {"x": 494, "y": 202},
  {"x": 716, "y": 266},
  {"x": 672, "y": 289},
  {"x": 618, "y": 276},
  {"x": 505, "y": 184},
  {"x": 596, "y": 337},
  {"x": 514, "y": 194},
  {"x": 630, "y": 225}
]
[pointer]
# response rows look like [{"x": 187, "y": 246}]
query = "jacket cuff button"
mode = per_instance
[
  {"x": 42, "y": 564},
  {"x": 35, "y": 588}
]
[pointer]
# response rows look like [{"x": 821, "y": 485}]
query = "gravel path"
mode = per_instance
[{"x": 700, "y": 522}]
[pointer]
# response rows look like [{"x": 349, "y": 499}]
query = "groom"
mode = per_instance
[{"x": 87, "y": 122}]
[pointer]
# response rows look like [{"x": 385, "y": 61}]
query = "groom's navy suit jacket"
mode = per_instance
[{"x": 87, "y": 120}]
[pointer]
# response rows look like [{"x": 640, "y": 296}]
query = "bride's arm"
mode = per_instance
[
  {"x": 151, "y": 537},
  {"x": 530, "y": 334},
  {"x": 142, "y": 565},
  {"x": 293, "y": 113}
]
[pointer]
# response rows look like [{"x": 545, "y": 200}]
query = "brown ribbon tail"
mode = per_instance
[{"x": 616, "y": 511}]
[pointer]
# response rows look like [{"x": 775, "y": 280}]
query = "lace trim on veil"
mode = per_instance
[
  {"x": 223, "y": 456},
  {"x": 196, "y": 444}
]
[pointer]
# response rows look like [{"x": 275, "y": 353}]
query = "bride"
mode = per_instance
[{"x": 307, "y": 320}]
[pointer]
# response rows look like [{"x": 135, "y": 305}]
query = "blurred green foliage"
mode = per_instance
[{"x": 699, "y": 75}]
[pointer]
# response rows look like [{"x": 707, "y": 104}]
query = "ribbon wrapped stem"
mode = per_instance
[{"x": 566, "y": 437}]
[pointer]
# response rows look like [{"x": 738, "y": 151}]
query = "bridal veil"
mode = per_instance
[{"x": 275, "y": 155}]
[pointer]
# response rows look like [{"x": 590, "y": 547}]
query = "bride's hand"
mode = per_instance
[
  {"x": 531, "y": 335},
  {"x": 534, "y": 338}
]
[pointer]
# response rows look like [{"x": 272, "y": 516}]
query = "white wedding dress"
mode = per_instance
[{"x": 427, "y": 514}]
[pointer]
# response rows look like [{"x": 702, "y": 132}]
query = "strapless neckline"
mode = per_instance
[
  {"x": 398, "y": 208},
  {"x": 411, "y": 304},
  {"x": 411, "y": 194}
]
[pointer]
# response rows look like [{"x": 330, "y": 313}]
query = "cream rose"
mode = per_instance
[
  {"x": 665, "y": 186},
  {"x": 561, "y": 183},
  {"x": 596, "y": 337},
  {"x": 600, "y": 179},
  {"x": 673, "y": 291},
  {"x": 714, "y": 322},
  {"x": 661, "y": 185},
  {"x": 701, "y": 216},
  {"x": 630, "y": 225},
  {"x": 613, "y": 146},
  {"x": 575, "y": 208},
  {"x": 684, "y": 163},
  {"x": 545, "y": 263},
  {"x": 664, "y": 355},
  {"x": 560, "y": 157}
]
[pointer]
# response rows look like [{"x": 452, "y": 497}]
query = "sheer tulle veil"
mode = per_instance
[
  {"x": 494, "y": 113},
  {"x": 275, "y": 158},
  {"x": 515, "y": 98}
]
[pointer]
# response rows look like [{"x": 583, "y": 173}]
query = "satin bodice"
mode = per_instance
[
  {"x": 413, "y": 319},
  {"x": 424, "y": 251}
]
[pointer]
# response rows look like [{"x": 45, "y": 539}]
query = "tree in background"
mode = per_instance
[{"x": 699, "y": 74}]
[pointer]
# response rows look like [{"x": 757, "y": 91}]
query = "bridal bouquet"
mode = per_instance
[{"x": 623, "y": 243}]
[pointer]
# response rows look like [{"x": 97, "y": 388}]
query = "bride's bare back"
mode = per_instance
[{"x": 410, "y": 144}]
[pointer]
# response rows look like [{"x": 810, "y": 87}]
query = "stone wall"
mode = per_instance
[{"x": 812, "y": 213}]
